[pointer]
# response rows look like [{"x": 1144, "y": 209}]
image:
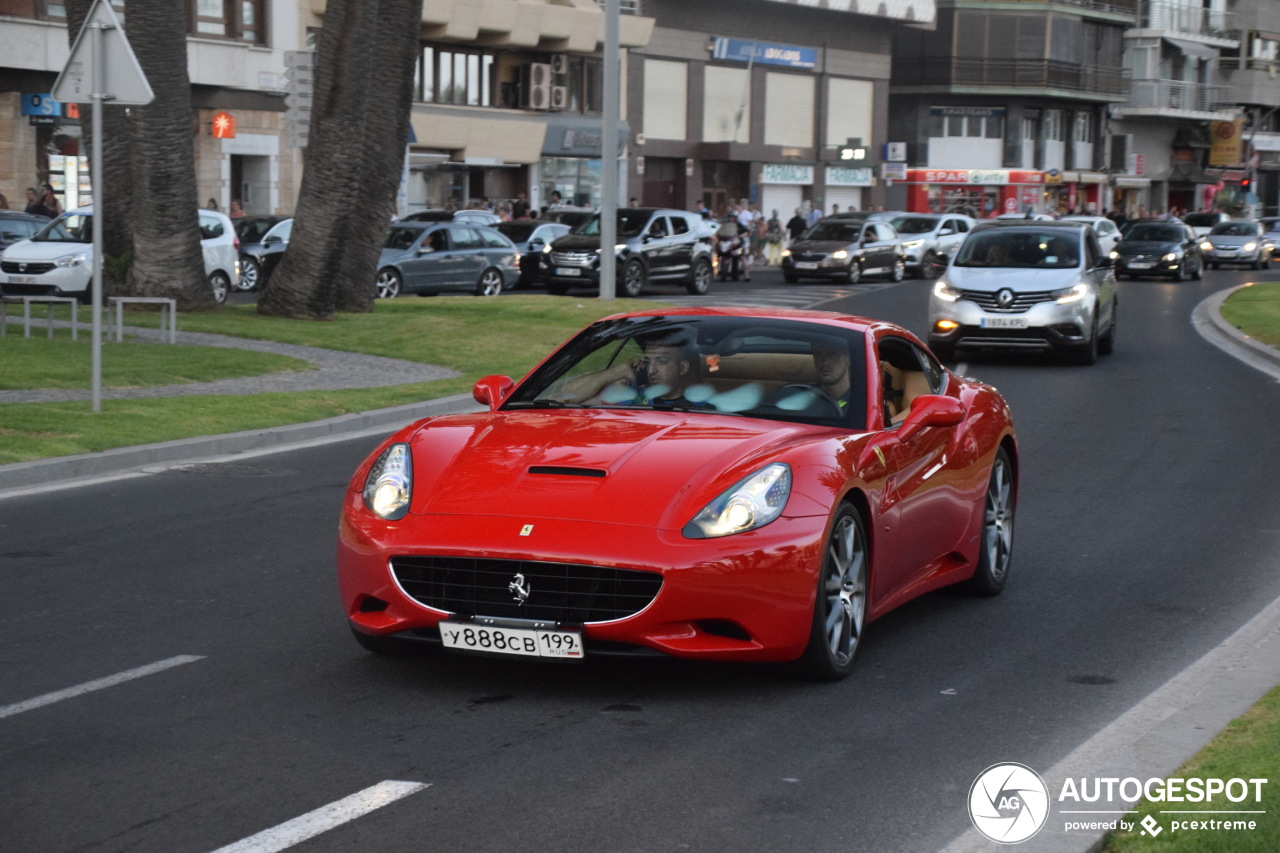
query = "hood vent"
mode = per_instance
[{"x": 566, "y": 471}]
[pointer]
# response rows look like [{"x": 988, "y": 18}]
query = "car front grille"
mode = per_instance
[
  {"x": 32, "y": 268},
  {"x": 1022, "y": 302},
  {"x": 561, "y": 592}
]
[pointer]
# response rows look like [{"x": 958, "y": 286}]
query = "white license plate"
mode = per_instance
[
  {"x": 527, "y": 642},
  {"x": 1004, "y": 322},
  {"x": 806, "y": 265},
  {"x": 1140, "y": 265},
  {"x": 568, "y": 271},
  {"x": 22, "y": 279}
]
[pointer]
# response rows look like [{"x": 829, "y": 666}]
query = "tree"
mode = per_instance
[
  {"x": 354, "y": 158},
  {"x": 161, "y": 202}
]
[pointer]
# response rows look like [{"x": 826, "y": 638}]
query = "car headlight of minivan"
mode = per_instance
[
  {"x": 751, "y": 503},
  {"x": 72, "y": 260},
  {"x": 1070, "y": 294},
  {"x": 389, "y": 485},
  {"x": 945, "y": 292}
]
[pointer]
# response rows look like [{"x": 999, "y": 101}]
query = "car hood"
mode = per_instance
[
  {"x": 1146, "y": 247},
  {"x": 825, "y": 247},
  {"x": 1019, "y": 279},
  {"x": 27, "y": 250},
  {"x": 653, "y": 469}
]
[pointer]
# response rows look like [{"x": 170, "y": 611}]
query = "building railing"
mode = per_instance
[
  {"x": 1014, "y": 73},
  {"x": 1181, "y": 18},
  {"x": 1178, "y": 95}
]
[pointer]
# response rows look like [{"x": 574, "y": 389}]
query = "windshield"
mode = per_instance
[
  {"x": 631, "y": 222},
  {"x": 70, "y": 228},
  {"x": 913, "y": 224},
  {"x": 1236, "y": 229},
  {"x": 749, "y": 366},
  {"x": 1155, "y": 233},
  {"x": 834, "y": 230},
  {"x": 1021, "y": 247}
]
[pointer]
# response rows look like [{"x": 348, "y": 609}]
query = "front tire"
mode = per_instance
[
  {"x": 840, "y": 608},
  {"x": 996, "y": 549},
  {"x": 389, "y": 284}
]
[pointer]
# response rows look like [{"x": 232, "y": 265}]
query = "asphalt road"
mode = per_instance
[{"x": 1146, "y": 529}]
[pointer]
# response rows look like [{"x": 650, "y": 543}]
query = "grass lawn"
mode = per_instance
[
  {"x": 475, "y": 337},
  {"x": 1255, "y": 310},
  {"x": 1248, "y": 748}
]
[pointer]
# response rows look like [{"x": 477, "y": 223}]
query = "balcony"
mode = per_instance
[
  {"x": 1177, "y": 98},
  {"x": 1014, "y": 75},
  {"x": 1165, "y": 16}
]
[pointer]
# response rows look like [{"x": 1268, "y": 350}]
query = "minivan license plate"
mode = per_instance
[{"x": 528, "y": 642}]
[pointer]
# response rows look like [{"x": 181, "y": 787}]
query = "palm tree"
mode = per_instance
[{"x": 354, "y": 157}]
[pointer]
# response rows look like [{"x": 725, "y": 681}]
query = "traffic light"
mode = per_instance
[{"x": 853, "y": 150}]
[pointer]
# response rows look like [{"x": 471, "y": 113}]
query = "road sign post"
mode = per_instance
[{"x": 101, "y": 67}]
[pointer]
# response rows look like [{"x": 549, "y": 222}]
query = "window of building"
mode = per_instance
[{"x": 243, "y": 20}]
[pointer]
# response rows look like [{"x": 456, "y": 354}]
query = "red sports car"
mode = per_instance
[{"x": 735, "y": 485}]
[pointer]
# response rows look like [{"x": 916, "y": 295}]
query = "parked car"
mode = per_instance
[
  {"x": 1026, "y": 286},
  {"x": 654, "y": 244},
  {"x": 16, "y": 226},
  {"x": 1238, "y": 241},
  {"x": 1163, "y": 247},
  {"x": 845, "y": 248},
  {"x": 531, "y": 236},
  {"x": 1202, "y": 223},
  {"x": 929, "y": 238},
  {"x": 58, "y": 259},
  {"x": 258, "y": 260},
  {"x": 1103, "y": 228},
  {"x": 438, "y": 257},
  {"x": 750, "y": 526}
]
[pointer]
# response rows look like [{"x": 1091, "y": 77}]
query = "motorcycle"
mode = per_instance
[{"x": 729, "y": 251}]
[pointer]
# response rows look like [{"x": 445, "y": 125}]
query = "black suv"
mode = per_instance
[{"x": 654, "y": 244}]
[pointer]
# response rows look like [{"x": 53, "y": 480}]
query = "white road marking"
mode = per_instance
[
  {"x": 99, "y": 684},
  {"x": 324, "y": 818}
]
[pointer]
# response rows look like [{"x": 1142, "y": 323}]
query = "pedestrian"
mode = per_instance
[
  {"x": 33, "y": 202},
  {"x": 796, "y": 226},
  {"x": 49, "y": 200},
  {"x": 773, "y": 240}
]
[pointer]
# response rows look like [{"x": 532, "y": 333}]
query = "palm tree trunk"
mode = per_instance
[{"x": 359, "y": 124}]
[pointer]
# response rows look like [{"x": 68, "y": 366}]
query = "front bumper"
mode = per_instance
[{"x": 738, "y": 598}]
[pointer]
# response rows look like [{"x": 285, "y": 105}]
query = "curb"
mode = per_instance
[{"x": 124, "y": 461}]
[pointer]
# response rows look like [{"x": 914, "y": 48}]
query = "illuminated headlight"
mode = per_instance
[
  {"x": 1171, "y": 257},
  {"x": 913, "y": 244},
  {"x": 840, "y": 255},
  {"x": 389, "y": 485},
  {"x": 72, "y": 260},
  {"x": 752, "y": 503},
  {"x": 945, "y": 292},
  {"x": 1071, "y": 294},
  {"x": 1248, "y": 247}
]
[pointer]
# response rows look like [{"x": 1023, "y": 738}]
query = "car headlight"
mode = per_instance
[
  {"x": 913, "y": 244},
  {"x": 1071, "y": 294},
  {"x": 945, "y": 292},
  {"x": 389, "y": 485},
  {"x": 752, "y": 503},
  {"x": 72, "y": 260},
  {"x": 1171, "y": 257},
  {"x": 1248, "y": 247}
]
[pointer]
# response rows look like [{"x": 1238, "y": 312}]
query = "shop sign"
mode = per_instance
[
  {"x": 985, "y": 177},
  {"x": 763, "y": 53},
  {"x": 786, "y": 173},
  {"x": 846, "y": 176}
]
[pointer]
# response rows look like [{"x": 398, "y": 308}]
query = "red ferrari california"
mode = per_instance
[{"x": 734, "y": 485}]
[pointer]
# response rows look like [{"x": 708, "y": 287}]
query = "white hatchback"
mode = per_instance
[{"x": 58, "y": 260}]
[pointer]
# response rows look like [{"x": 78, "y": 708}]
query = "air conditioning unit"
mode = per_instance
[
  {"x": 537, "y": 88},
  {"x": 560, "y": 64},
  {"x": 559, "y": 97}
]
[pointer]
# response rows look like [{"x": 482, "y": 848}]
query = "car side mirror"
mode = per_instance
[
  {"x": 492, "y": 390},
  {"x": 931, "y": 410}
]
